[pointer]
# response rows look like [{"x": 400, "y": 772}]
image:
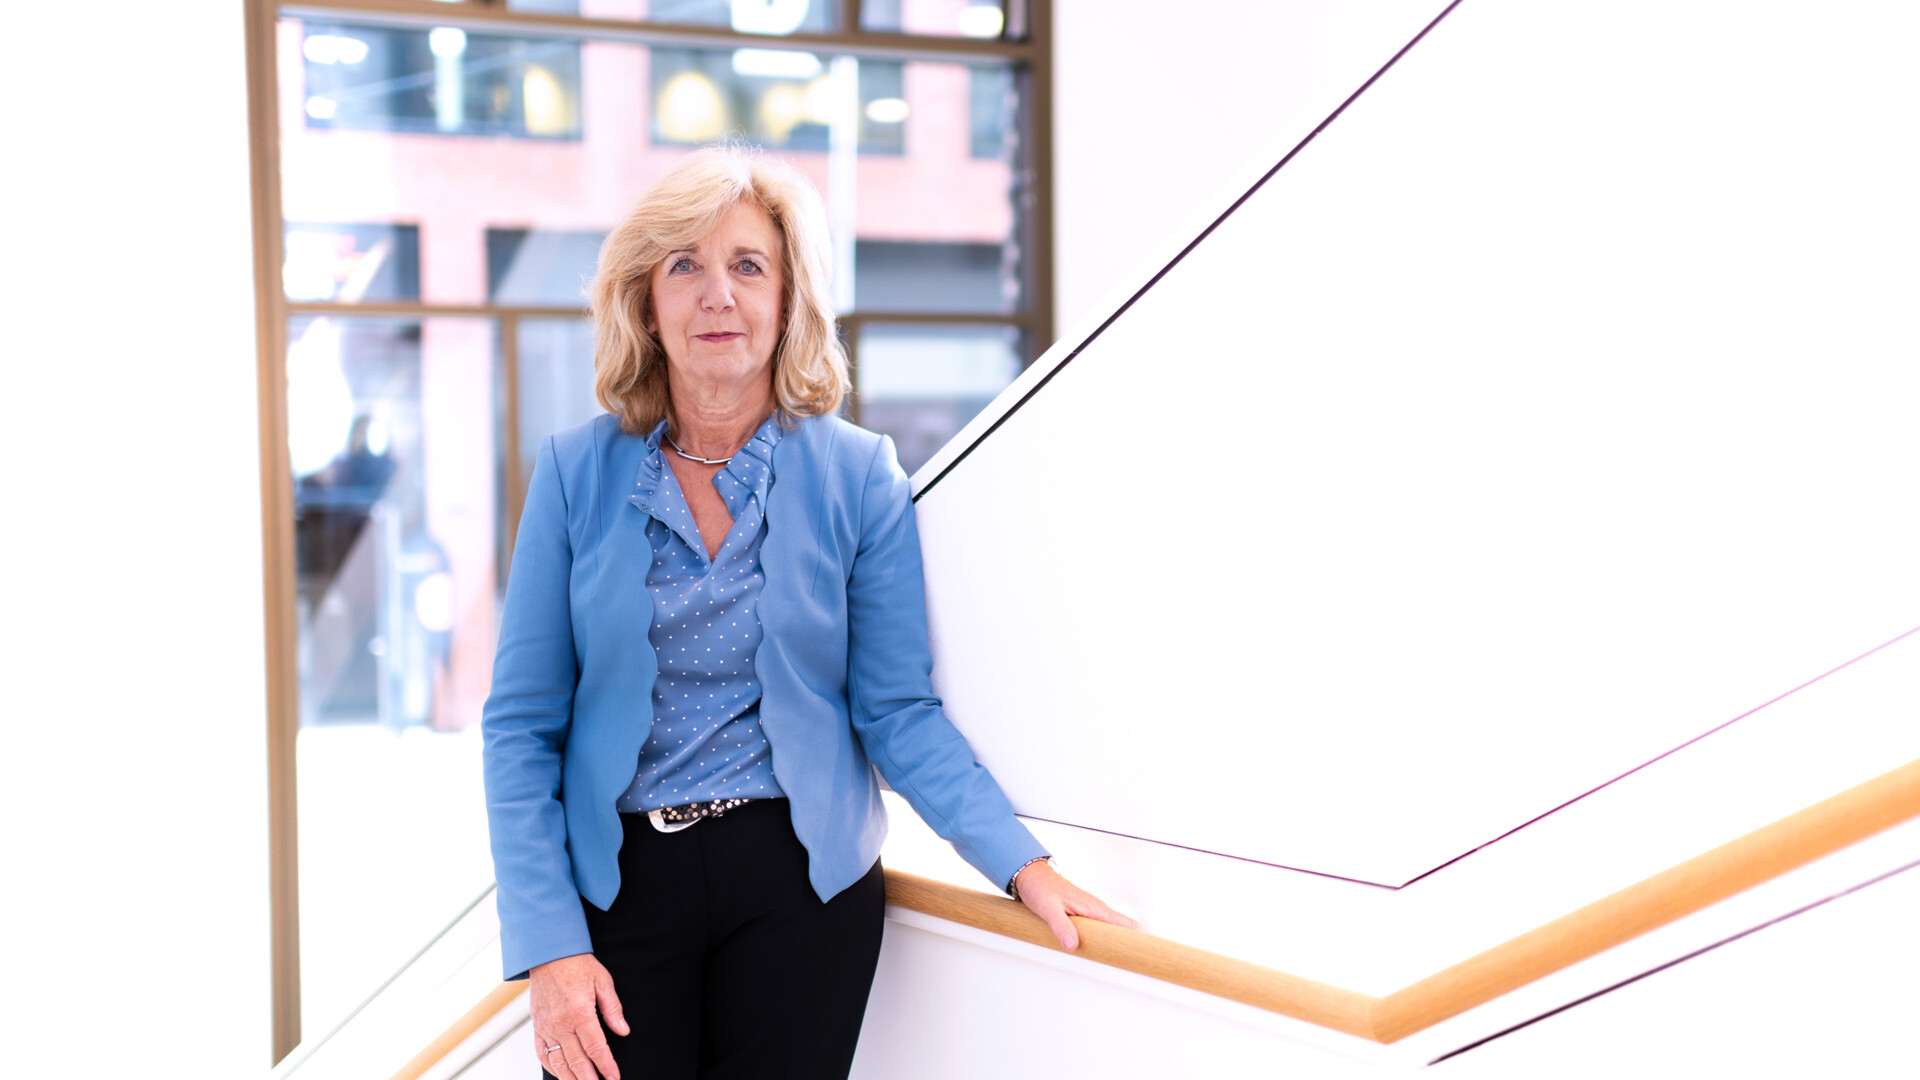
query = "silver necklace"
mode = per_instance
[{"x": 698, "y": 458}]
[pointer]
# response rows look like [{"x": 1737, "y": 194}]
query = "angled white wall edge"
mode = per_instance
[{"x": 1681, "y": 890}]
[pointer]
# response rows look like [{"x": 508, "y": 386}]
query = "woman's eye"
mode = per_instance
[
  {"x": 748, "y": 266},
  {"x": 680, "y": 266}
]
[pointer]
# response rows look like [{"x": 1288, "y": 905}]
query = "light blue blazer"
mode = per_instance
[{"x": 844, "y": 678}]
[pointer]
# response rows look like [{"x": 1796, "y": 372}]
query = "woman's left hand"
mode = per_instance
[{"x": 1053, "y": 898}]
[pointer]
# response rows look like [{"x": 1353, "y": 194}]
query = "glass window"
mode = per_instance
[
  {"x": 899, "y": 275},
  {"x": 921, "y": 384},
  {"x": 556, "y": 380},
  {"x": 443, "y": 80},
  {"x": 777, "y": 98},
  {"x": 349, "y": 263},
  {"x": 541, "y": 266},
  {"x": 990, "y": 104},
  {"x": 391, "y": 435}
]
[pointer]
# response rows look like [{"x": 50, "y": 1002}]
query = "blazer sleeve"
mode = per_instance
[
  {"x": 524, "y": 733},
  {"x": 890, "y": 689}
]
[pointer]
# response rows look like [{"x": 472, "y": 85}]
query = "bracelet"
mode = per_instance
[{"x": 1012, "y": 881}]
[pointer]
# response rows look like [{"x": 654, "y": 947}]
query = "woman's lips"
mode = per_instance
[{"x": 718, "y": 337}]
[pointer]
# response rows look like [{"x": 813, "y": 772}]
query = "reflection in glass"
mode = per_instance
[
  {"x": 392, "y": 441},
  {"x": 380, "y": 495},
  {"x": 921, "y": 384},
  {"x": 350, "y": 263},
  {"x": 540, "y": 266}
]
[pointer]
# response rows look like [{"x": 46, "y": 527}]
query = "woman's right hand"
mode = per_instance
[{"x": 570, "y": 997}]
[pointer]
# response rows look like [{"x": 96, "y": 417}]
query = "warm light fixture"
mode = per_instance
[
  {"x": 781, "y": 107},
  {"x": 545, "y": 102},
  {"x": 981, "y": 21},
  {"x": 775, "y": 64},
  {"x": 690, "y": 109},
  {"x": 887, "y": 110}
]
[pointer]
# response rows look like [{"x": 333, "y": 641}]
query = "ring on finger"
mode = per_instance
[{"x": 552, "y": 1048}]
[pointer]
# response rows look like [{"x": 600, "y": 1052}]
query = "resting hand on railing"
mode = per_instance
[
  {"x": 1053, "y": 898},
  {"x": 571, "y": 996}
]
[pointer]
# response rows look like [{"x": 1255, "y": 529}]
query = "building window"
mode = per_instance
[
  {"x": 777, "y": 98},
  {"x": 990, "y": 104},
  {"x": 351, "y": 263},
  {"x": 439, "y": 81}
]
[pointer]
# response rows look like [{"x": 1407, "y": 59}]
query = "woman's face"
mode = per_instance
[{"x": 716, "y": 305}]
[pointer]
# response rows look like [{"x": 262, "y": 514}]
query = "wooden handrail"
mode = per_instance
[
  {"x": 1679, "y": 891},
  {"x": 462, "y": 1029},
  {"x": 1732, "y": 868},
  {"x": 1132, "y": 950},
  {"x": 1704, "y": 880}
]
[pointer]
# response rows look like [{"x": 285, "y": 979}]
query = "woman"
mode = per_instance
[{"x": 714, "y": 629}]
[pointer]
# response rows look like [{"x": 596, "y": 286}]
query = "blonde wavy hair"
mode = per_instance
[{"x": 629, "y": 363}]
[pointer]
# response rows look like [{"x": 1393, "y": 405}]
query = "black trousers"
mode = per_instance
[{"x": 727, "y": 964}]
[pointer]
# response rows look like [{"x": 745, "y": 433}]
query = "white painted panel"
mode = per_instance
[
  {"x": 990, "y": 1013},
  {"x": 1550, "y": 409},
  {"x": 1157, "y": 118},
  {"x": 133, "y": 783}
]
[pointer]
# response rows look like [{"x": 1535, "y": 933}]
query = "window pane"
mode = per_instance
[
  {"x": 776, "y": 98},
  {"x": 541, "y": 266},
  {"x": 391, "y": 436},
  {"x": 442, "y": 80},
  {"x": 938, "y": 225},
  {"x": 556, "y": 381},
  {"x": 936, "y": 18},
  {"x": 406, "y": 212},
  {"x": 921, "y": 384},
  {"x": 990, "y": 105},
  {"x": 746, "y": 16},
  {"x": 346, "y": 262},
  {"x": 900, "y": 275}
]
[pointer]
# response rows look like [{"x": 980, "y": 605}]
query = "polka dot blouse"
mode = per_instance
[{"x": 706, "y": 743}]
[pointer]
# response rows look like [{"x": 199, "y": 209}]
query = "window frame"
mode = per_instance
[{"x": 1026, "y": 44}]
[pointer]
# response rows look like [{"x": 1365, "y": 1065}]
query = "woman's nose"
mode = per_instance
[{"x": 716, "y": 292}]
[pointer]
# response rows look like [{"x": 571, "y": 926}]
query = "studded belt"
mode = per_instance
[{"x": 671, "y": 819}]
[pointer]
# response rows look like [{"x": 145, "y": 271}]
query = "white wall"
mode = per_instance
[
  {"x": 132, "y": 782},
  {"x": 1160, "y": 110}
]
